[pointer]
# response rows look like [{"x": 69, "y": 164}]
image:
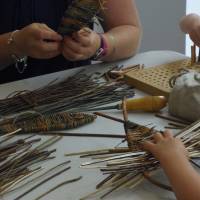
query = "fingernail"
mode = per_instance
[{"x": 85, "y": 31}]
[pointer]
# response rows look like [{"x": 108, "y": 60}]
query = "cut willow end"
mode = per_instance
[
  {"x": 78, "y": 93},
  {"x": 17, "y": 159}
]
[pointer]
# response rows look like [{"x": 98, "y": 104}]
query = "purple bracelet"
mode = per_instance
[{"x": 102, "y": 51}]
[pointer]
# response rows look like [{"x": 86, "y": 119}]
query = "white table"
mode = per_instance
[{"x": 73, "y": 144}]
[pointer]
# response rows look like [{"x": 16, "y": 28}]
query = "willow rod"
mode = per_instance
[
  {"x": 42, "y": 182},
  {"x": 89, "y": 91},
  {"x": 58, "y": 186},
  {"x": 40, "y": 176},
  {"x": 115, "y": 119},
  {"x": 16, "y": 159},
  {"x": 66, "y": 134}
]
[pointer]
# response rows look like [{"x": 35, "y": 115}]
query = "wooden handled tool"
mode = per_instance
[{"x": 147, "y": 103}]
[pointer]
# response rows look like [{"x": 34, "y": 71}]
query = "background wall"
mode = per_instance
[
  {"x": 160, "y": 19},
  {"x": 191, "y": 7}
]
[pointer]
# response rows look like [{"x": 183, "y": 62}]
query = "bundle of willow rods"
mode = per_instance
[
  {"x": 77, "y": 93},
  {"x": 19, "y": 159},
  {"x": 45, "y": 123},
  {"x": 81, "y": 13},
  {"x": 129, "y": 166}
]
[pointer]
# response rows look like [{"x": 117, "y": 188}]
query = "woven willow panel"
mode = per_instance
[{"x": 155, "y": 80}]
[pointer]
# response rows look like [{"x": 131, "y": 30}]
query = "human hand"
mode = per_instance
[
  {"x": 165, "y": 147},
  {"x": 82, "y": 45},
  {"x": 38, "y": 41},
  {"x": 190, "y": 24}
]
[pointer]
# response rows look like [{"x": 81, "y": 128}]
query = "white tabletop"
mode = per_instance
[{"x": 73, "y": 144}]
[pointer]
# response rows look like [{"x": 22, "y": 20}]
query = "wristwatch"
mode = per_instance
[{"x": 102, "y": 51}]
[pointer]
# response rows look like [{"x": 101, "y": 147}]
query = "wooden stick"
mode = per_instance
[
  {"x": 41, "y": 183},
  {"x": 127, "y": 155},
  {"x": 109, "y": 117},
  {"x": 65, "y": 134},
  {"x": 188, "y": 129},
  {"x": 118, "y": 186},
  {"x": 199, "y": 56},
  {"x": 10, "y": 134},
  {"x": 58, "y": 186},
  {"x": 155, "y": 182},
  {"x": 9, "y": 189},
  {"x": 129, "y": 123},
  {"x": 173, "y": 127},
  {"x": 49, "y": 142},
  {"x": 125, "y": 115},
  {"x": 99, "y": 151},
  {"x": 177, "y": 125},
  {"x": 40, "y": 176},
  {"x": 193, "y": 54},
  {"x": 159, "y": 115},
  {"x": 105, "y": 181}
]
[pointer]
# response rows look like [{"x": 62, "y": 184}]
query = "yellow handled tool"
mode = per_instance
[{"x": 147, "y": 103}]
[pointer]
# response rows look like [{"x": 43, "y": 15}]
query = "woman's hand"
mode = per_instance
[
  {"x": 190, "y": 24},
  {"x": 81, "y": 46},
  {"x": 165, "y": 147},
  {"x": 37, "y": 41}
]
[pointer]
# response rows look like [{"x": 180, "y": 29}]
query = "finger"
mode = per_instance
[
  {"x": 168, "y": 134},
  {"x": 50, "y": 46},
  {"x": 157, "y": 137},
  {"x": 148, "y": 146},
  {"x": 72, "y": 56},
  {"x": 51, "y": 54},
  {"x": 73, "y": 45},
  {"x": 51, "y": 30},
  {"x": 49, "y": 35},
  {"x": 83, "y": 40},
  {"x": 52, "y": 36},
  {"x": 85, "y": 31},
  {"x": 195, "y": 38},
  {"x": 44, "y": 26}
]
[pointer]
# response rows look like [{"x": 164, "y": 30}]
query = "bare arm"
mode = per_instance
[
  {"x": 184, "y": 179},
  {"x": 5, "y": 51},
  {"x": 173, "y": 158},
  {"x": 36, "y": 40},
  {"x": 122, "y": 29},
  {"x": 122, "y": 34}
]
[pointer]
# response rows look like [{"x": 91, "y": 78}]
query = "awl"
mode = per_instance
[{"x": 147, "y": 103}]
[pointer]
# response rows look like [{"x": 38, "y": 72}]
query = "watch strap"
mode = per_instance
[{"x": 102, "y": 51}]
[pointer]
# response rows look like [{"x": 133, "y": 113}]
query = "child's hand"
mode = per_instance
[
  {"x": 190, "y": 24},
  {"x": 172, "y": 155},
  {"x": 165, "y": 147}
]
